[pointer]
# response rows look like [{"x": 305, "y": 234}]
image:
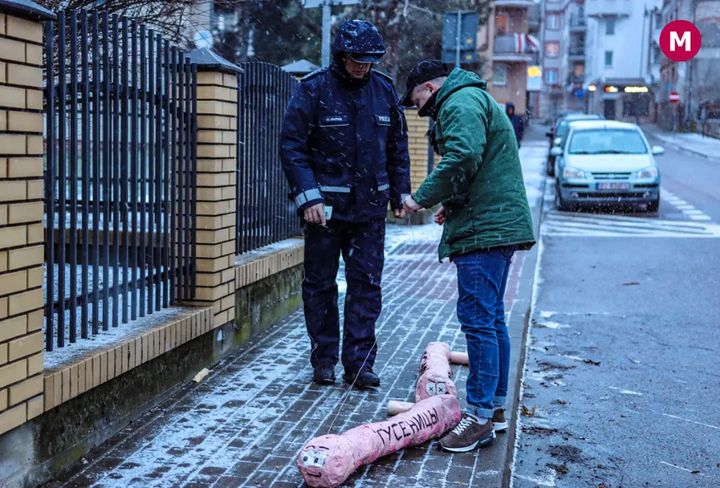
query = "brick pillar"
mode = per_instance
[
  {"x": 418, "y": 146},
  {"x": 217, "y": 98},
  {"x": 21, "y": 213}
]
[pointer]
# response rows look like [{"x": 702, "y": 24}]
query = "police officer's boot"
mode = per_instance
[
  {"x": 323, "y": 375},
  {"x": 365, "y": 378}
]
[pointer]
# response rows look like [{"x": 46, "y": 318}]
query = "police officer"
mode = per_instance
[{"x": 344, "y": 152}]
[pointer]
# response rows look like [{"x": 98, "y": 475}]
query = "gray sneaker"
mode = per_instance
[
  {"x": 499, "y": 421},
  {"x": 468, "y": 435}
]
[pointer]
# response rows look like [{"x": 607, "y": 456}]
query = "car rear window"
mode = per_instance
[{"x": 607, "y": 141}]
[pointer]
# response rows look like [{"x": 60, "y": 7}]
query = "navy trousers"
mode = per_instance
[{"x": 362, "y": 248}]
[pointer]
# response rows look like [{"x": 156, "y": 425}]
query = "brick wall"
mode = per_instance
[
  {"x": 216, "y": 181},
  {"x": 21, "y": 228},
  {"x": 418, "y": 145}
]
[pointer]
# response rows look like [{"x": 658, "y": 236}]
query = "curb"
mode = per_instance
[
  {"x": 684, "y": 149},
  {"x": 677, "y": 146},
  {"x": 519, "y": 344}
]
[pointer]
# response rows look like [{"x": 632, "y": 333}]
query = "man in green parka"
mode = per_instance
[{"x": 486, "y": 217}]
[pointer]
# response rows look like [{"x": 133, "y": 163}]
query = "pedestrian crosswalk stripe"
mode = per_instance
[
  {"x": 574, "y": 225},
  {"x": 686, "y": 208}
]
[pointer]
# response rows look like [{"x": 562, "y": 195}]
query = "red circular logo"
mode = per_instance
[{"x": 680, "y": 40}]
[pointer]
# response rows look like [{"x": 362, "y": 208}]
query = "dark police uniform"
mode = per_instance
[{"x": 344, "y": 144}]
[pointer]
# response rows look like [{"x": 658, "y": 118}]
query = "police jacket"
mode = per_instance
[{"x": 344, "y": 143}]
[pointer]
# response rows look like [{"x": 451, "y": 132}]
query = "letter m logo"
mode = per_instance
[{"x": 676, "y": 41}]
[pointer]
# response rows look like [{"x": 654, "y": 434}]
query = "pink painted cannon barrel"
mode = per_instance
[
  {"x": 435, "y": 372},
  {"x": 329, "y": 460}
]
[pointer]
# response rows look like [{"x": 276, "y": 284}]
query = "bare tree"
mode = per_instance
[
  {"x": 412, "y": 29},
  {"x": 169, "y": 17}
]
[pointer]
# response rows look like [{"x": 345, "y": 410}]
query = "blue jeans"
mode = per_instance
[{"x": 482, "y": 276}]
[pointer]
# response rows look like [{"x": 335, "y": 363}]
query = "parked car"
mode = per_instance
[
  {"x": 558, "y": 133},
  {"x": 553, "y": 125},
  {"x": 606, "y": 162}
]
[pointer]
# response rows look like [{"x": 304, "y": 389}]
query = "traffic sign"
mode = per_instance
[
  {"x": 460, "y": 37},
  {"x": 674, "y": 97}
]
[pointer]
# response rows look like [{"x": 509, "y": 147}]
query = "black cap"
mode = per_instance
[{"x": 425, "y": 70}]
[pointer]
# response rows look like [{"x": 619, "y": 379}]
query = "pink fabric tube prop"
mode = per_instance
[
  {"x": 435, "y": 373},
  {"x": 329, "y": 460}
]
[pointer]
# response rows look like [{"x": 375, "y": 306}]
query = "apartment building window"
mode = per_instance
[
  {"x": 610, "y": 27},
  {"x": 499, "y": 74},
  {"x": 502, "y": 23},
  {"x": 551, "y": 76},
  {"x": 552, "y": 49},
  {"x": 608, "y": 59},
  {"x": 554, "y": 21}
]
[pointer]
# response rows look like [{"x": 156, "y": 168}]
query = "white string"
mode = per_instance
[{"x": 346, "y": 395}]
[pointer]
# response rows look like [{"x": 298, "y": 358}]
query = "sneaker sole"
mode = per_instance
[
  {"x": 500, "y": 426},
  {"x": 481, "y": 443}
]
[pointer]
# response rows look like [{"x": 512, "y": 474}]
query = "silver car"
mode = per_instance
[{"x": 606, "y": 163}]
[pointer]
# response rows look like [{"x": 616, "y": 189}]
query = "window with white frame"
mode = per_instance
[
  {"x": 610, "y": 27},
  {"x": 499, "y": 74},
  {"x": 552, "y": 49},
  {"x": 608, "y": 59},
  {"x": 554, "y": 21},
  {"x": 551, "y": 76}
]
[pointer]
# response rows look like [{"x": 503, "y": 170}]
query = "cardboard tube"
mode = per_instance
[
  {"x": 329, "y": 460},
  {"x": 459, "y": 358},
  {"x": 395, "y": 407}
]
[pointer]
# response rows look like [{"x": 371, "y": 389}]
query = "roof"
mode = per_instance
[
  {"x": 26, "y": 8},
  {"x": 207, "y": 59},
  {"x": 300, "y": 66},
  {"x": 602, "y": 124},
  {"x": 572, "y": 117}
]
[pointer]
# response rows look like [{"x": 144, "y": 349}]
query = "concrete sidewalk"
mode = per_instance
[
  {"x": 694, "y": 143},
  {"x": 245, "y": 424}
]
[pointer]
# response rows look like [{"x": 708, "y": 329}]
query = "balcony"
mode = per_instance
[
  {"x": 534, "y": 19},
  {"x": 608, "y": 8},
  {"x": 514, "y": 3},
  {"x": 575, "y": 80},
  {"x": 576, "y": 53},
  {"x": 509, "y": 49},
  {"x": 577, "y": 23}
]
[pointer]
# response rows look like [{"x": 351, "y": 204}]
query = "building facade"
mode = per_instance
[
  {"x": 563, "y": 58},
  {"x": 509, "y": 42},
  {"x": 696, "y": 80},
  {"x": 621, "y": 57}
]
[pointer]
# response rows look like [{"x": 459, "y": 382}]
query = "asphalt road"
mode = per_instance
[{"x": 621, "y": 381}]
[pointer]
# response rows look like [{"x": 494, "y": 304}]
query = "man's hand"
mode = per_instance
[
  {"x": 315, "y": 214},
  {"x": 399, "y": 213},
  {"x": 440, "y": 216},
  {"x": 411, "y": 205}
]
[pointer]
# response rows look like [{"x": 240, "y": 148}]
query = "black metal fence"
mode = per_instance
[
  {"x": 119, "y": 174},
  {"x": 265, "y": 214}
]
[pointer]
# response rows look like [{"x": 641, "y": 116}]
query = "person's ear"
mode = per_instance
[{"x": 429, "y": 86}]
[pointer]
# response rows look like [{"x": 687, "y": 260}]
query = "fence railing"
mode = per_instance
[
  {"x": 265, "y": 214},
  {"x": 119, "y": 174}
]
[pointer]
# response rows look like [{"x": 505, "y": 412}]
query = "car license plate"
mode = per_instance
[{"x": 613, "y": 185}]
